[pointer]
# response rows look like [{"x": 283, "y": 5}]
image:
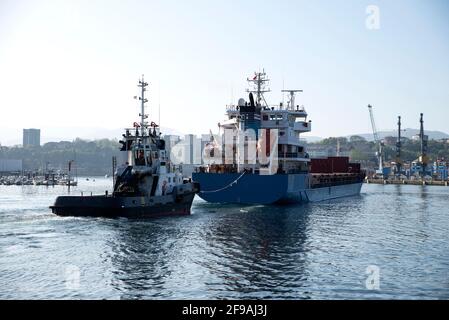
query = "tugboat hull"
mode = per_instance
[
  {"x": 145, "y": 183},
  {"x": 130, "y": 207}
]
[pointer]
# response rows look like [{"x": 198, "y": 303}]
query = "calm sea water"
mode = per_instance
[{"x": 311, "y": 251}]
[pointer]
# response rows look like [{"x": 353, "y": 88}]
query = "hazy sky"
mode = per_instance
[{"x": 76, "y": 63}]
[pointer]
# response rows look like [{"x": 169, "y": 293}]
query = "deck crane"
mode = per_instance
[{"x": 380, "y": 143}]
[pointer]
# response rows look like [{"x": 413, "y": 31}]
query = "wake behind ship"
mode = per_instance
[{"x": 287, "y": 173}]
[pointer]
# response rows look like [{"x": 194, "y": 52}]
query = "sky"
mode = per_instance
[{"x": 75, "y": 64}]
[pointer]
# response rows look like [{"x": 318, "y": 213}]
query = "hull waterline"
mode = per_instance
[{"x": 267, "y": 189}]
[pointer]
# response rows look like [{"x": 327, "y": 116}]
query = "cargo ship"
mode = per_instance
[{"x": 262, "y": 160}]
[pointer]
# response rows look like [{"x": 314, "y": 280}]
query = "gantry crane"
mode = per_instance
[{"x": 380, "y": 143}]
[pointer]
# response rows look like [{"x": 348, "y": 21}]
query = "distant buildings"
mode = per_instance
[
  {"x": 416, "y": 137},
  {"x": 438, "y": 169},
  {"x": 391, "y": 141},
  {"x": 170, "y": 142},
  {"x": 31, "y": 137},
  {"x": 318, "y": 151},
  {"x": 185, "y": 152}
]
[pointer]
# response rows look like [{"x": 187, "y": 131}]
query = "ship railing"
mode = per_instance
[
  {"x": 284, "y": 108},
  {"x": 289, "y": 155},
  {"x": 274, "y": 107},
  {"x": 148, "y": 129},
  {"x": 331, "y": 179}
]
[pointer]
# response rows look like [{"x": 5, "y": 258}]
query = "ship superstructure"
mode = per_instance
[{"x": 289, "y": 121}]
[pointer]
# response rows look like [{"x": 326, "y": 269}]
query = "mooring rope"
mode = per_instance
[{"x": 225, "y": 187}]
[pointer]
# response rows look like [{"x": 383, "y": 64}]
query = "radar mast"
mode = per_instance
[
  {"x": 259, "y": 84},
  {"x": 291, "y": 101}
]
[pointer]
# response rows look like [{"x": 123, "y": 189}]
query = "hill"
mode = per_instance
[{"x": 408, "y": 133}]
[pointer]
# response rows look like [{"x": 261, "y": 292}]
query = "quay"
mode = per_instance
[{"x": 407, "y": 181}]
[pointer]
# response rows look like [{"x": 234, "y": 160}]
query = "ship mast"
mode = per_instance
[
  {"x": 259, "y": 83},
  {"x": 142, "y": 84}
]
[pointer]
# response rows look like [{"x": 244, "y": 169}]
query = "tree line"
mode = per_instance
[
  {"x": 361, "y": 150},
  {"x": 95, "y": 157},
  {"x": 90, "y": 157}
]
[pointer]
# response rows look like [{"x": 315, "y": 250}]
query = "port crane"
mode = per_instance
[
  {"x": 378, "y": 141},
  {"x": 398, "y": 160},
  {"x": 423, "y": 158}
]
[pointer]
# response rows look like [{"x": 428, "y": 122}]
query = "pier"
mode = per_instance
[{"x": 407, "y": 181}]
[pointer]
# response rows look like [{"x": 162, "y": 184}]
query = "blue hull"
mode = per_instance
[{"x": 266, "y": 189}]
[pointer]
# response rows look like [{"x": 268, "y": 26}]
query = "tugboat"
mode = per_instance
[
  {"x": 145, "y": 183},
  {"x": 280, "y": 170}
]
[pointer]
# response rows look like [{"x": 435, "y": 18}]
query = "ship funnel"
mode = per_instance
[{"x": 251, "y": 99}]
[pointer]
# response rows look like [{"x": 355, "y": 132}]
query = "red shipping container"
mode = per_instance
[
  {"x": 321, "y": 166},
  {"x": 339, "y": 164}
]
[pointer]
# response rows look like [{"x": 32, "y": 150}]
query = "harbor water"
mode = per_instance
[{"x": 390, "y": 242}]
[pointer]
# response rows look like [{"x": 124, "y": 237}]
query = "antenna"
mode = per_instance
[
  {"x": 283, "y": 88},
  {"x": 159, "y": 111},
  {"x": 142, "y": 84}
]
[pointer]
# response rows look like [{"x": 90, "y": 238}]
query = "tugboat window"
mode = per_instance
[{"x": 140, "y": 158}]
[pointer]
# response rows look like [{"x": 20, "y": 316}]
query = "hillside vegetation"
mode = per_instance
[
  {"x": 91, "y": 157},
  {"x": 95, "y": 157}
]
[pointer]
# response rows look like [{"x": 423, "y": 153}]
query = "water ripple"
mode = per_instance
[{"x": 311, "y": 251}]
